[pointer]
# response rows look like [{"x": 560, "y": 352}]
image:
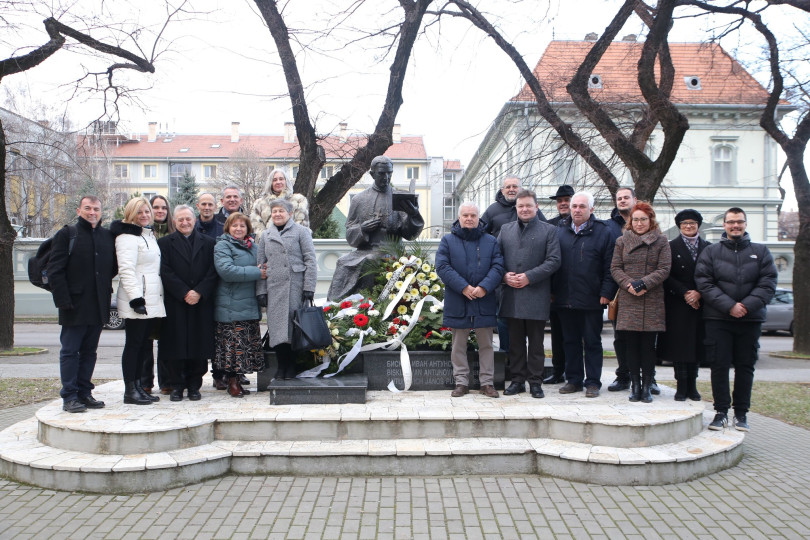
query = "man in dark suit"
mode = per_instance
[
  {"x": 563, "y": 201},
  {"x": 189, "y": 279},
  {"x": 81, "y": 284}
]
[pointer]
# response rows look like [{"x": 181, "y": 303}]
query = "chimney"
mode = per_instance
[
  {"x": 630, "y": 37},
  {"x": 343, "y": 128},
  {"x": 289, "y": 132},
  {"x": 396, "y": 134},
  {"x": 234, "y": 131},
  {"x": 152, "y": 137},
  {"x": 591, "y": 36}
]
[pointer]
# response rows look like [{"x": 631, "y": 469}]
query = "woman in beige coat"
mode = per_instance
[{"x": 641, "y": 262}]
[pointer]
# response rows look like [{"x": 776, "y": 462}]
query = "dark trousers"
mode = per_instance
[
  {"x": 619, "y": 347},
  {"x": 525, "y": 366},
  {"x": 77, "y": 360},
  {"x": 137, "y": 348},
  {"x": 732, "y": 343},
  {"x": 163, "y": 372},
  {"x": 186, "y": 373},
  {"x": 557, "y": 345},
  {"x": 582, "y": 328},
  {"x": 639, "y": 348},
  {"x": 685, "y": 370},
  {"x": 503, "y": 334}
]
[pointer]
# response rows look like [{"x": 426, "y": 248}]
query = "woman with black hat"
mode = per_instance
[{"x": 682, "y": 343}]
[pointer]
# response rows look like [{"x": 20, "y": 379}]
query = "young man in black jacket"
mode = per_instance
[{"x": 81, "y": 284}]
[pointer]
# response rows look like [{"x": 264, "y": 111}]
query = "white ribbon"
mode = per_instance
[{"x": 392, "y": 304}]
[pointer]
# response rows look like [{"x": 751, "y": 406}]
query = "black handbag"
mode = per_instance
[{"x": 309, "y": 329}]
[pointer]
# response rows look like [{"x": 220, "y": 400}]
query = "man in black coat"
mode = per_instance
[
  {"x": 189, "y": 281},
  {"x": 563, "y": 201},
  {"x": 81, "y": 284},
  {"x": 207, "y": 223},
  {"x": 736, "y": 279}
]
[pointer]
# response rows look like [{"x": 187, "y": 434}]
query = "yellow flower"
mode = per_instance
[
  {"x": 418, "y": 261},
  {"x": 406, "y": 297},
  {"x": 433, "y": 276},
  {"x": 335, "y": 332},
  {"x": 420, "y": 276},
  {"x": 424, "y": 289},
  {"x": 399, "y": 284},
  {"x": 335, "y": 345},
  {"x": 414, "y": 292},
  {"x": 402, "y": 310},
  {"x": 426, "y": 267},
  {"x": 397, "y": 265},
  {"x": 321, "y": 353},
  {"x": 435, "y": 287},
  {"x": 388, "y": 275},
  {"x": 409, "y": 270},
  {"x": 391, "y": 296},
  {"x": 413, "y": 306}
]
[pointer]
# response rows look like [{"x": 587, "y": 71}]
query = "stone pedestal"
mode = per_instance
[
  {"x": 344, "y": 388},
  {"x": 432, "y": 370}
]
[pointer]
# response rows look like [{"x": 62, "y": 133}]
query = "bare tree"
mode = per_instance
[
  {"x": 246, "y": 169},
  {"x": 312, "y": 157},
  {"x": 59, "y": 36}
]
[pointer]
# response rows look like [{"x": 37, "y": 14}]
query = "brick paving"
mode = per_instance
[{"x": 763, "y": 497}]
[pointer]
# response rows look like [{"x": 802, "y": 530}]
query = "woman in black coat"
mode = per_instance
[
  {"x": 682, "y": 343},
  {"x": 189, "y": 280}
]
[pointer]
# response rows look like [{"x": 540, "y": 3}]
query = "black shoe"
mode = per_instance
[
  {"x": 74, "y": 406},
  {"x": 591, "y": 391},
  {"x": 194, "y": 395},
  {"x": 680, "y": 391},
  {"x": 646, "y": 389},
  {"x": 243, "y": 380},
  {"x": 133, "y": 397},
  {"x": 691, "y": 389},
  {"x": 143, "y": 393},
  {"x": 177, "y": 395},
  {"x": 654, "y": 390},
  {"x": 91, "y": 403},
  {"x": 515, "y": 388},
  {"x": 618, "y": 385},
  {"x": 720, "y": 422},
  {"x": 569, "y": 388},
  {"x": 554, "y": 379},
  {"x": 741, "y": 422},
  {"x": 635, "y": 389},
  {"x": 536, "y": 390}
]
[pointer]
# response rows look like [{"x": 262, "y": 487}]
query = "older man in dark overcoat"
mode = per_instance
[
  {"x": 189, "y": 281},
  {"x": 531, "y": 254}
]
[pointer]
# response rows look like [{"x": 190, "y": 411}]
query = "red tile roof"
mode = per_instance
[
  {"x": 722, "y": 79},
  {"x": 452, "y": 164},
  {"x": 268, "y": 146}
]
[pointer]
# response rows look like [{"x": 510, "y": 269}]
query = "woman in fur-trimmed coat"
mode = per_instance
[
  {"x": 278, "y": 187},
  {"x": 641, "y": 262},
  {"x": 140, "y": 292}
]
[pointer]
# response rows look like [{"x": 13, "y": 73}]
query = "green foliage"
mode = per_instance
[
  {"x": 119, "y": 212},
  {"x": 187, "y": 191},
  {"x": 328, "y": 229}
]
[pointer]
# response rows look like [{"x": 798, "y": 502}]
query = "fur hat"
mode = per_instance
[{"x": 688, "y": 214}]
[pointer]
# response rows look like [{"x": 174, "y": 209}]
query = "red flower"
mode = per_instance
[
  {"x": 326, "y": 308},
  {"x": 392, "y": 329},
  {"x": 444, "y": 329},
  {"x": 396, "y": 320},
  {"x": 346, "y": 304},
  {"x": 364, "y": 305},
  {"x": 360, "y": 320},
  {"x": 430, "y": 333}
]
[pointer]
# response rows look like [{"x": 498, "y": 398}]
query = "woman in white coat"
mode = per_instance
[{"x": 140, "y": 292}]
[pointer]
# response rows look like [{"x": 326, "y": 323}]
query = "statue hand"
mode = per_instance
[{"x": 370, "y": 225}]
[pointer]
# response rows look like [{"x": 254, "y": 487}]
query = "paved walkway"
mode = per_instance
[{"x": 763, "y": 497}]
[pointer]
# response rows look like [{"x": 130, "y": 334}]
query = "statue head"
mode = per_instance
[{"x": 381, "y": 171}]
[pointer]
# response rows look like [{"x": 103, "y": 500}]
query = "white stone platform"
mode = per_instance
[{"x": 131, "y": 448}]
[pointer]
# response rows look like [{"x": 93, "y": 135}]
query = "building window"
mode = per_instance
[
  {"x": 565, "y": 168},
  {"x": 449, "y": 209},
  {"x": 724, "y": 165},
  {"x": 121, "y": 170},
  {"x": 176, "y": 173},
  {"x": 149, "y": 171},
  {"x": 327, "y": 171},
  {"x": 149, "y": 194},
  {"x": 412, "y": 173},
  {"x": 295, "y": 172},
  {"x": 209, "y": 171}
]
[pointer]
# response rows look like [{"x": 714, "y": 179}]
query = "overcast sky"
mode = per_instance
[{"x": 222, "y": 67}]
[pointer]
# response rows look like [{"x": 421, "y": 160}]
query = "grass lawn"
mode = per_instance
[
  {"x": 15, "y": 392},
  {"x": 788, "y": 402}
]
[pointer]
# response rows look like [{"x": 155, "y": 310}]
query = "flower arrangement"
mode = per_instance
[{"x": 403, "y": 281}]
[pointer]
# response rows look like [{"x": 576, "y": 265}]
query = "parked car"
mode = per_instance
[
  {"x": 116, "y": 322},
  {"x": 780, "y": 312}
]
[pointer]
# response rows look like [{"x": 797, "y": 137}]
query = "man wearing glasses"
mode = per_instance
[{"x": 736, "y": 279}]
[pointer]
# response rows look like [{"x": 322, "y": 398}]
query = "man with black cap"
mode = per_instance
[
  {"x": 563, "y": 200},
  {"x": 682, "y": 343}
]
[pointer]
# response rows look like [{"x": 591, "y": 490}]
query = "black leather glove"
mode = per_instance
[
  {"x": 138, "y": 305},
  {"x": 262, "y": 299},
  {"x": 308, "y": 296},
  {"x": 638, "y": 285}
]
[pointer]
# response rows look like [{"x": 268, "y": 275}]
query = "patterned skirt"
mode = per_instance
[{"x": 238, "y": 347}]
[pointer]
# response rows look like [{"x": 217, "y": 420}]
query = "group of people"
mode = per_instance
[
  {"x": 683, "y": 300},
  {"x": 194, "y": 281}
]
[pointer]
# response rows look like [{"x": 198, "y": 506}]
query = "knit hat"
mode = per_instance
[{"x": 688, "y": 214}]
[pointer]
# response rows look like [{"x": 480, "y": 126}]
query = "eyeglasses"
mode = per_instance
[
  {"x": 736, "y": 222},
  {"x": 688, "y": 223},
  {"x": 640, "y": 219}
]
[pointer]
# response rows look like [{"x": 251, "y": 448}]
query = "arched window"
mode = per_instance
[{"x": 724, "y": 163}]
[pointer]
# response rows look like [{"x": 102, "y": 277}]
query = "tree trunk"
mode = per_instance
[
  {"x": 801, "y": 251},
  {"x": 7, "y": 234}
]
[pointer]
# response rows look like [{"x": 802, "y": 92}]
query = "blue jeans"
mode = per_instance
[
  {"x": 582, "y": 327},
  {"x": 77, "y": 360}
]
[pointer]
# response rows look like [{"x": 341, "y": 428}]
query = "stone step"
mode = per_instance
[
  {"x": 25, "y": 459},
  {"x": 348, "y": 388},
  {"x": 167, "y": 426}
]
